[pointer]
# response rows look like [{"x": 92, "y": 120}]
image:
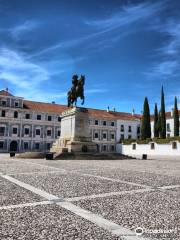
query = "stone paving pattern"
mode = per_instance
[
  {"x": 146, "y": 178},
  {"x": 72, "y": 185},
  {"x": 49, "y": 222},
  {"x": 151, "y": 210},
  {"x": 157, "y": 208},
  {"x": 11, "y": 194}
]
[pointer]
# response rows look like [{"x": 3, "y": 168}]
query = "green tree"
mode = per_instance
[
  {"x": 146, "y": 122},
  {"x": 176, "y": 118},
  {"x": 159, "y": 123},
  {"x": 156, "y": 128},
  {"x": 163, "y": 116}
]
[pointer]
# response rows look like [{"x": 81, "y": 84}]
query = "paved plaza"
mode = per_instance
[{"x": 89, "y": 199}]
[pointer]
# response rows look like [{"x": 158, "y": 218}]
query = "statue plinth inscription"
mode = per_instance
[{"x": 75, "y": 132}]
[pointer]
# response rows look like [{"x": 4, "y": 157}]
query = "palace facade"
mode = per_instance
[{"x": 34, "y": 126}]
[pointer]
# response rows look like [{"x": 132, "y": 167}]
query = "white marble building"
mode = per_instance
[{"x": 35, "y": 126}]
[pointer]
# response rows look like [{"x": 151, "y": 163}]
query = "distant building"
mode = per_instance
[
  {"x": 169, "y": 124},
  {"x": 34, "y": 126}
]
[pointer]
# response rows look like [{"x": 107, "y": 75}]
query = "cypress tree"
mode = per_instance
[
  {"x": 156, "y": 128},
  {"x": 163, "y": 116},
  {"x": 146, "y": 123},
  {"x": 159, "y": 123},
  {"x": 176, "y": 118}
]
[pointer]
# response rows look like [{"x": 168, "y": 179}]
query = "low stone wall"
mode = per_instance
[{"x": 152, "y": 150}]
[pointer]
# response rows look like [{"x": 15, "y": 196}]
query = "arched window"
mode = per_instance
[{"x": 15, "y": 114}]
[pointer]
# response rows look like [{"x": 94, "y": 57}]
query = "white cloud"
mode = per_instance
[
  {"x": 169, "y": 53},
  {"x": 126, "y": 16},
  {"x": 21, "y": 73},
  {"x": 29, "y": 78},
  {"x": 23, "y": 28},
  {"x": 172, "y": 30},
  {"x": 96, "y": 90},
  {"x": 166, "y": 68}
]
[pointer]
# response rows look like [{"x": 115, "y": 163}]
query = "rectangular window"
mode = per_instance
[
  {"x": 168, "y": 127},
  {"x": 96, "y": 122},
  {"x": 38, "y": 132},
  {"x": 112, "y": 148},
  {"x": 2, "y": 131},
  {"x": 134, "y": 146},
  {"x": 3, "y": 103},
  {"x": 14, "y": 130},
  {"x": 48, "y": 146},
  {"x": 26, "y": 145},
  {"x": 49, "y": 118},
  {"x": 112, "y": 136},
  {"x": 152, "y": 146},
  {"x": 48, "y": 132},
  {"x": 174, "y": 145},
  {"x": 112, "y": 124},
  {"x": 38, "y": 117},
  {"x": 104, "y": 136},
  {"x": 129, "y": 129},
  {"x": 26, "y": 131},
  {"x": 37, "y": 145},
  {"x": 96, "y": 135},
  {"x": 129, "y": 136},
  {"x": 122, "y": 136},
  {"x": 104, "y": 123},
  {"x": 27, "y": 116},
  {"x": 138, "y": 130},
  {"x": 1, "y": 145},
  {"x": 16, "y": 104},
  {"x": 3, "y": 113},
  {"x": 104, "y": 148},
  {"x": 59, "y": 119},
  {"x": 122, "y": 128},
  {"x": 59, "y": 133},
  {"x": 15, "y": 114}
]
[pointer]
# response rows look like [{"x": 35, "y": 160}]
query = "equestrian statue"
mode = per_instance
[{"x": 77, "y": 90}]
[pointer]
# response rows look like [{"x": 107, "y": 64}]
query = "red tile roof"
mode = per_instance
[
  {"x": 5, "y": 93},
  {"x": 57, "y": 108},
  {"x": 96, "y": 113},
  {"x": 44, "y": 107},
  {"x": 168, "y": 116}
]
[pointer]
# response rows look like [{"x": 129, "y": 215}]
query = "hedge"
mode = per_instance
[
  {"x": 148, "y": 140},
  {"x": 128, "y": 141}
]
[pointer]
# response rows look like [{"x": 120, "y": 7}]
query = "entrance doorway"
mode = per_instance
[{"x": 13, "y": 146}]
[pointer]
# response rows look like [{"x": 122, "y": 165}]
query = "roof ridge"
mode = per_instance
[{"x": 5, "y": 93}]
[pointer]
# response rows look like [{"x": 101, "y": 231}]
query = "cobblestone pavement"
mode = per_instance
[{"x": 94, "y": 199}]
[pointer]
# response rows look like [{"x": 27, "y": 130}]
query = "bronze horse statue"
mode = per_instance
[{"x": 77, "y": 90}]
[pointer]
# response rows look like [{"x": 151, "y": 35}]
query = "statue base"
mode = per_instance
[{"x": 75, "y": 133}]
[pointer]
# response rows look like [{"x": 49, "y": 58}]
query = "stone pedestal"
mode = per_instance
[{"x": 75, "y": 132}]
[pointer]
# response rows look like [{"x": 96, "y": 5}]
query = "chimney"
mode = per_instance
[
  {"x": 7, "y": 89},
  {"x": 172, "y": 112},
  {"x": 53, "y": 102},
  {"x": 108, "y": 109},
  {"x": 133, "y": 112},
  {"x": 114, "y": 109}
]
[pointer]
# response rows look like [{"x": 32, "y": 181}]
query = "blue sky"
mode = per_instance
[{"x": 126, "y": 49}]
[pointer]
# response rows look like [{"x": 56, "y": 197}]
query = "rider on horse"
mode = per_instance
[{"x": 77, "y": 90}]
